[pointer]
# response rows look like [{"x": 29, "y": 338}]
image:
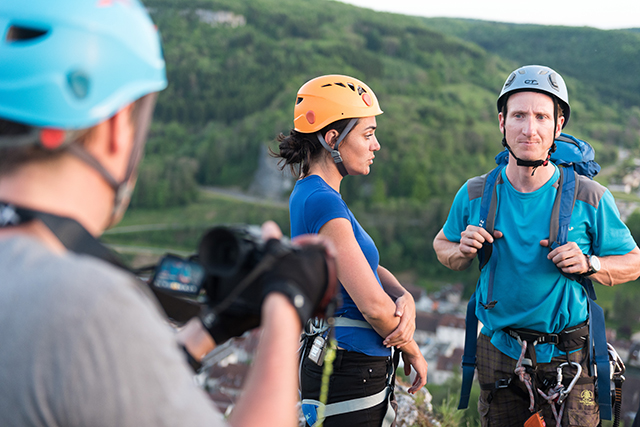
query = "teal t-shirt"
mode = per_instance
[{"x": 530, "y": 290}]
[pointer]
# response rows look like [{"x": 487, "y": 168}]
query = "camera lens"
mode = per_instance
[{"x": 222, "y": 252}]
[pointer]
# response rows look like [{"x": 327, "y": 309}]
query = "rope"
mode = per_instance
[
  {"x": 559, "y": 393},
  {"x": 521, "y": 372},
  {"x": 553, "y": 395},
  {"x": 327, "y": 370}
]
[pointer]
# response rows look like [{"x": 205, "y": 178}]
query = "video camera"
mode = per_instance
[
  {"x": 227, "y": 255},
  {"x": 225, "y": 273}
]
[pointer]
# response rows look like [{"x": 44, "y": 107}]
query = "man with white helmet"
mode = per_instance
[
  {"x": 529, "y": 291},
  {"x": 84, "y": 343}
]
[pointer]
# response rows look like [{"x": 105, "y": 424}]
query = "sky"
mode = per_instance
[{"x": 603, "y": 14}]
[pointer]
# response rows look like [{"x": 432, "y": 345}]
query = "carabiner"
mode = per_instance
[
  {"x": 565, "y": 392},
  {"x": 617, "y": 365}
]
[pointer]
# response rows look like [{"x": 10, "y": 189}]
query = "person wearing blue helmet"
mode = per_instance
[
  {"x": 84, "y": 343},
  {"x": 532, "y": 355}
]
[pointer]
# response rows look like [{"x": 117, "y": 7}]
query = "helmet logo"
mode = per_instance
[
  {"x": 311, "y": 117},
  {"x": 531, "y": 82},
  {"x": 367, "y": 99}
]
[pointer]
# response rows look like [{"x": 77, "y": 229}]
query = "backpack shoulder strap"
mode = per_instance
[
  {"x": 469, "y": 355},
  {"x": 488, "y": 207},
  {"x": 563, "y": 207},
  {"x": 568, "y": 186}
]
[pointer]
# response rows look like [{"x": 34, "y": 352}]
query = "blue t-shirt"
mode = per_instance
[
  {"x": 312, "y": 204},
  {"x": 530, "y": 290}
]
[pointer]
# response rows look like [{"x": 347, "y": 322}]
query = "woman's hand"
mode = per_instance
[
  {"x": 417, "y": 362},
  {"x": 406, "y": 311}
]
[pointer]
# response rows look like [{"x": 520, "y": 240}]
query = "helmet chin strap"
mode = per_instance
[
  {"x": 123, "y": 189},
  {"x": 335, "y": 154},
  {"x": 535, "y": 164}
]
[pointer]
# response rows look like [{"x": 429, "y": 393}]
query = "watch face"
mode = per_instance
[{"x": 595, "y": 263}]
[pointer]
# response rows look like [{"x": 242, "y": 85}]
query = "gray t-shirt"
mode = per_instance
[{"x": 83, "y": 344}]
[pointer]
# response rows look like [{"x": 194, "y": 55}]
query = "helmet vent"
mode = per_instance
[
  {"x": 351, "y": 86},
  {"x": 17, "y": 33},
  {"x": 327, "y": 85},
  {"x": 510, "y": 80},
  {"x": 340, "y": 84},
  {"x": 299, "y": 100},
  {"x": 554, "y": 82},
  {"x": 78, "y": 83},
  {"x": 361, "y": 90}
]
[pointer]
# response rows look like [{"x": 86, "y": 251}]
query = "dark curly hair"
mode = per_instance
[{"x": 299, "y": 150}]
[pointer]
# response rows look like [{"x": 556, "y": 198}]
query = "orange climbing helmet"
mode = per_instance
[{"x": 326, "y": 99}]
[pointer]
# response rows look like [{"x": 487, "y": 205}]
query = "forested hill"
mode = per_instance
[
  {"x": 606, "y": 61},
  {"x": 234, "y": 67}
]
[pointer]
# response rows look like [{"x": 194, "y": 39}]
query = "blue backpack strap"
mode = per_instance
[
  {"x": 485, "y": 203},
  {"x": 559, "y": 227},
  {"x": 599, "y": 353},
  {"x": 563, "y": 207},
  {"x": 469, "y": 356},
  {"x": 488, "y": 207}
]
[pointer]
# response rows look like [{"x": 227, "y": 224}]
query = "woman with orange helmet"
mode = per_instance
[{"x": 334, "y": 136}]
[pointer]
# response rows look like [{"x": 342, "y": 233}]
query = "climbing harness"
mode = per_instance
[{"x": 315, "y": 411}]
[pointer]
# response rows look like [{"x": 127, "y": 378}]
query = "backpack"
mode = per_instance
[{"x": 573, "y": 156}]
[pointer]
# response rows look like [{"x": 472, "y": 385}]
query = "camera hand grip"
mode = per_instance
[{"x": 305, "y": 275}]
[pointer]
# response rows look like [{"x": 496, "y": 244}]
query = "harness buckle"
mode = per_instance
[
  {"x": 503, "y": 383},
  {"x": 549, "y": 338}
]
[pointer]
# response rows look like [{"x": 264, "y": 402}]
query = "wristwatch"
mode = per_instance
[{"x": 594, "y": 265}]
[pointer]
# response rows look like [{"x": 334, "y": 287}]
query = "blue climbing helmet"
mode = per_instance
[
  {"x": 70, "y": 64},
  {"x": 67, "y": 65}
]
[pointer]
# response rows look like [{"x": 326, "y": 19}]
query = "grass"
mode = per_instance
[
  {"x": 626, "y": 197},
  {"x": 144, "y": 235}
]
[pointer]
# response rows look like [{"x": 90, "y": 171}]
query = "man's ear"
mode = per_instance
[
  {"x": 559, "y": 128},
  {"x": 501, "y": 122},
  {"x": 121, "y": 127}
]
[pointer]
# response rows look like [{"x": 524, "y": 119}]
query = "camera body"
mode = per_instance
[{"x": 226, "y": 256}]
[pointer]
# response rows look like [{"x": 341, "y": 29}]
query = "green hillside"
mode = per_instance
[
  {"x": 604, "y": 61},
  {"x": 233, "y": 78}
]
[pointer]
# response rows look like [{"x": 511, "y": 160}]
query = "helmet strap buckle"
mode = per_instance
[{"x": 335, "y": 154}]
